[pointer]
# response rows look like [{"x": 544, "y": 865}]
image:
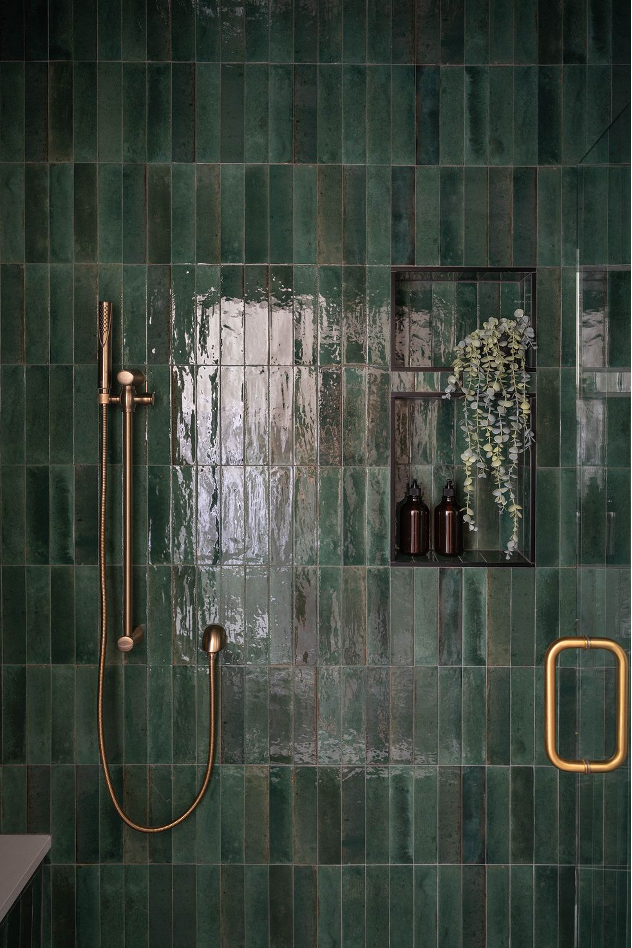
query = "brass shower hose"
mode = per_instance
[{"x": 102, "y": 650}]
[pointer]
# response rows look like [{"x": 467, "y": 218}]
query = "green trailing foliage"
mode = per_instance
[{"x": 489, "y": 370}]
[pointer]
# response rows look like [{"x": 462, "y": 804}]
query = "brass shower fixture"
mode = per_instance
[
  {"x": 127, "y": 399},
  {"x": 214, "y": 635}
]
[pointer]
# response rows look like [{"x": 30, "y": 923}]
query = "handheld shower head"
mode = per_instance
[{"x": 104, "y": 347}]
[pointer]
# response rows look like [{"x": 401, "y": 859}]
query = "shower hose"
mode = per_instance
[{"x": 102, "y": 653}]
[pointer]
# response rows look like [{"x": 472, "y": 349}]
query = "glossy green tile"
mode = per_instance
[
  {"x": 329, "y": 214},
  {"x": 305, "y": 611},
  {"x": 353, "y": 906},
  {"x": 354, "y": 114},
  {"x": 353, "y": 31},
  {"x": 450, "y": 895},
  {"x": 473, "y": 814},
  {"x": 14, "y": 514},
  {"x": 37, "y": 302},
  {"x": 329, "y": 816},
  {"x": 550, "y": 33},
  {"x": 497, "y": 815},
  {"x": 256, "y": 898},
  {"x": 354, "y": 215},
  {"x": 37, "y": 531},
  {"x": 451, "y": 219},
  {"x": 110, "y": 105},
  {"x": 353, "y": 816},
  {"x": 401, "y": 686},
  {"x": 35, "y": 111},
  {"x": 14, "y": 704},
  {"x": 14, "y": 604},
  {"x": 183, "y": 31},
  {"x": 207, "y": 111},
  {"x": 207, "y": 213},
  {"x": 403, "y": 93},
  {"x": 134, "y": 44},
  {"x": 330, "y": 424},
  {"x": 426, "y": 715},
  {"x": 524, "y": 216},
  {"x": 450, "y": 704},
  {"x": 36, "y": 214},
  {"x": 547, "y": 492},
  {"x": 232, "y": 38},
  {"x": 575, "y": 34},
  {"x": 526, "y": 115},
  {"x": 12, "y": 101},
  {"x": 305, "y": 216},
  {"x": 501, "y": 115},
  {"x": 329, "y": 719},
  {"x": 402, "y": 215},
  {"x": 498, "y": 730},
  {"x": 280, "y": 815},
  {"x": 305, "y": 106},
  {"x": 159, "y": 214},
  {"x": 378, "y": 113},
  {"x": 60, "y": 111},
  {"x": 281, "y": 214},
  {"x": 450, "y": 617},
  {"x": 12, "y": 181},
  {"x": 232, "y": 214},
  {"x": 476, "y": 121},
  {"x": 183, "y": 102},
  {"x": 304, "y": 816},
  {"x": 158, "y": 30},
  {"x": 378, "y": 198},
  {"x": 522, "y": 814},
  {"x": 280, "y": 119},
  {"x": 353, "y": 516},
  {"x": 549, "y": 114},
  {"x": 427, "y": 216},
  {"x": 85, "y": 200},
  {"x": 402, "y": 33},
  {"x": 354, "y": 416},
  {"x": 13, "y": 414},
  {"x": 353, "y": 616},
  {"x": 477, "y": 38},
  {"x": 329, "y": 33},
  {"x": 158, "y": 112},
  {"x": 378, "y": 552},
  {"x": 500, "y": 216},
  {"x": 451, "y": 104}
]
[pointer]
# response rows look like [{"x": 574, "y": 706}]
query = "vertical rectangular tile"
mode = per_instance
[{"x": 403, "y": 216}]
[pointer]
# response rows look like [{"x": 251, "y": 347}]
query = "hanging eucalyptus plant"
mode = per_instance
[{"x": 489, "y": 369}]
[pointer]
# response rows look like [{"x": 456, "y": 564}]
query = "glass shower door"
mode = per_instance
[{"x": 602, "y": 800}]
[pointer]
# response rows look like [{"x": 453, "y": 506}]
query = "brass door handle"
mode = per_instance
[{"x": 550, "y": 659}]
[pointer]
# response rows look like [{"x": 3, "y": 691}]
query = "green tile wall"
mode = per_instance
[{"x": 239, "y": 179}]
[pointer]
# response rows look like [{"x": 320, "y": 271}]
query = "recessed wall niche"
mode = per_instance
[{"x": 432, "y": 309}]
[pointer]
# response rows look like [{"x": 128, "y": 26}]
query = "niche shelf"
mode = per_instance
[{"x": 432, "y": 309}]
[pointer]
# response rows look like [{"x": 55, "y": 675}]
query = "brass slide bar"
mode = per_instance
[
  {"x": 550, "y": 719},
  {"x": 128, "y": 398},
  {"x": 129, "y": 380}
]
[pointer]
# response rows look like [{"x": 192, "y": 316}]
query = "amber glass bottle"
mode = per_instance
[
  {"x": 414, "y": 523},
  {"x": 448, "y": 524}
]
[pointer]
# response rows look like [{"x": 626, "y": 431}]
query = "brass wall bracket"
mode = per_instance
[{"x": 550, "y": 718}]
